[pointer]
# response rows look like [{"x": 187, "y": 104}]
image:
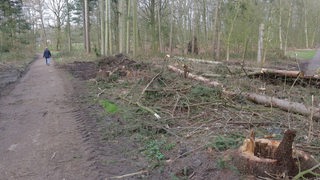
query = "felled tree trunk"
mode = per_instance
[
  {"x": 283, "y": 73},
  {"x": 282, "y": 104},
  {"x": 196, "y": 60},
  {"x": 276, "y": 72}
]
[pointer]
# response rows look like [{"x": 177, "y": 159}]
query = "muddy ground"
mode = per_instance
[{"x": 105, "y": 109}]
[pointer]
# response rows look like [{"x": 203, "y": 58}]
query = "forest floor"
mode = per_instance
[
  {"x": 121, "y": 118},
  {"x": 178, "y": 128}
]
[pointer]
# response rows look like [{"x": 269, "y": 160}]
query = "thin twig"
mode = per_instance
[
  {"x": 311, "y": 121},
  {"x": 128, "y": 175},
  {"x": 148, "y": 109},
  {"x": 101, "y": 91},
  {"x": 308, "y": 171},
  {"x": 175, "y": 105},
  {"x": 188, "y": 152}
]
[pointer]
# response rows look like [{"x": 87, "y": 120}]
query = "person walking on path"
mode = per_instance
[{"x": 47, "y": 56}]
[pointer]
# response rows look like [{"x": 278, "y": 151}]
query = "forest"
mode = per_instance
[
  {"x": 222, "y": 29},
  {"x": 222, "y": 89}
]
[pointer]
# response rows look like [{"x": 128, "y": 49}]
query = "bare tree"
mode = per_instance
[
  {"x": 39, "y": 7},
  {"x": 58, "y": 7}
]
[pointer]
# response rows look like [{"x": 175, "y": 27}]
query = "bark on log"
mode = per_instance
[
  {"x": 196, "y": 60},
  {"x": 283, "y": 73},
  {"x": 195, "y": 77},
  {"x": 282, "y": 104}
]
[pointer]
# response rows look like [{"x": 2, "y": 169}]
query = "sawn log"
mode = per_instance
[{"x": 282, "y": 104}]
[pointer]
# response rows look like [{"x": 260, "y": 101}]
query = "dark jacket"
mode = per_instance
[{"x": 46, "y": 53}]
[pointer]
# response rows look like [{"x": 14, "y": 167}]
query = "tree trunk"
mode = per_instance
[
  {"x": 128, "y": 27},
  {"x": 204, "y": 21},
  {"x": 159, "y": 27},
  {"x": 122, "y": 20},
  {"x": 280, "y": 25},
  {"x": 305, "y": 23},
  {"x": 102, "y": 28},
  {"x": 171, "y": 25},
  {"x": 69, "y": 26},
  {"x": 40, "y": 11},
  {"x": 135, "y": 27},
  {"x": 106, "y": 27},
  {"x": 86, "y": 26},
  {"x": 287, "y": 30},
  {"x": 215, "y": 29},
  {"x": 260, "y": 44},
  {"x": 153, "y": 25},
  {"x": 109, "y": 29},
  {"x": 231, "y": 29}
]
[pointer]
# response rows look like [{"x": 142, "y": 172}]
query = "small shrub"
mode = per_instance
[
  {"x": 152, "y": 150},
  {"x": 109, "y": 106}
]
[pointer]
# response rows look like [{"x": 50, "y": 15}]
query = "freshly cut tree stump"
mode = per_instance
[{"x": 270, "y": 158}]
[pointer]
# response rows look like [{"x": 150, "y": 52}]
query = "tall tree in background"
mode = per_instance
[
  {"x": 280, "y": 26},
  {"x": 216, "y": 32},
  {"x": 288, "y": 27},
  {"x": 234, "y": 11},
  {"x": 171, "y": 25},
  {"x": 305, "y": 22},
  {"x": 58, "y": 7},
  {"x": 128, "y": 26},
  {"x": 69, "y": 26},
  {"x": 135, "y": 27},
  {"x": 86, "y": 27},
  {"x": 39, "y": 6},
  {"x": 122, "y": 25},
  {"x": 102, "y": 27}
]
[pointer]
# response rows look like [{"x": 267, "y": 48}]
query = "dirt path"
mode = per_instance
[{"x": 39, "y": 138}]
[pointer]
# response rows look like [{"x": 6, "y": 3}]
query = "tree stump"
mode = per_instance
[{"x": 271, "y": 158}]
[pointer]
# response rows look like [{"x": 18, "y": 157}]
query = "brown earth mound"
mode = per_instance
[{"x": 106, "y": 68}]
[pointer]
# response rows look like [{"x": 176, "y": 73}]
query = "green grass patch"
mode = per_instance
[
  {"x": 109, "y": 106},
  {"x": 302, "y": 54}
]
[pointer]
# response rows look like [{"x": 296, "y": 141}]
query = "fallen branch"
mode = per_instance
[
  {"x": 148, "y": 109},
  {"x": 143, "y": 107},
  {"x": 101, "y": 91},
  {"x": 128, "y": 175},
  {"x": 154, "y": 78},
  {"x": 195, "y": 77},
  {"x": 186, "y": 153},
  {"x": 308, "y": 171}
]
